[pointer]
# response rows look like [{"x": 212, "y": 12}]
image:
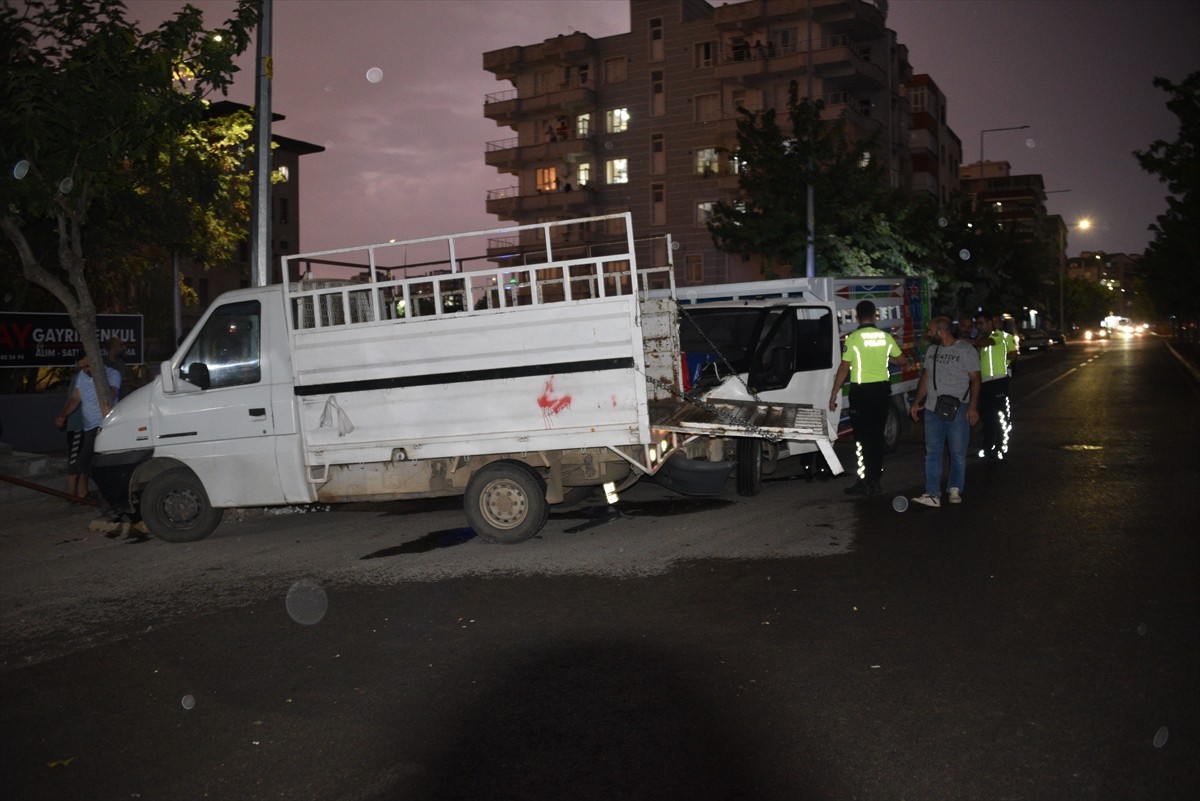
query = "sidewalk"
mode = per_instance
[{"x": 43, "y": 469}]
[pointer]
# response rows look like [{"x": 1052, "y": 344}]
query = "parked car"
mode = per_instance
[
  {"x": 1057, "y": 338},
  {"x": 1034, "y": 340}
]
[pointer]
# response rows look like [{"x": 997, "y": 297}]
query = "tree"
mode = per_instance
[
  {"x": 91, "y": 105},
  {"x": 862, "y": 226},
  {"x": 1087, "y": 301},
  {"x": 1172, "y": 262}
]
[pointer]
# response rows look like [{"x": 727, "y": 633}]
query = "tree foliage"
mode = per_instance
[
  {"x": 92, "y": 108},
  {"x": 1172, "y": 262},
  {"x": 862, "y": 227}
]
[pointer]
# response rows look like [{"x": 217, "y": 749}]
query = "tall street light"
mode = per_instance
[
  {"x": 1083, "y": 224},
  {"x": 993, "y": 130}
]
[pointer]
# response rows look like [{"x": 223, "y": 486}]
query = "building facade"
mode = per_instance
[{"x": 645, "y": 121}]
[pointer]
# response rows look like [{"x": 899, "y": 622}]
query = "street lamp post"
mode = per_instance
[{"x": 993, "y": 130}]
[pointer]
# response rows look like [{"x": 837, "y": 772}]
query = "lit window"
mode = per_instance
[
  {"x": 284, "y": 173},
  {"x": 616, "y": 171},
  {"x": 706, "y": 161},
  {"x": 584, "y": 173},
  {"x": 547, "y": 179},
  {"x": 583, "y": 126},
  {"x": 616, "y": 120},
  {"x": 703, "y": 213}
]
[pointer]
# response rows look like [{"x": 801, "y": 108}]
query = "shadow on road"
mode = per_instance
[{"x": 597, "y": 720}]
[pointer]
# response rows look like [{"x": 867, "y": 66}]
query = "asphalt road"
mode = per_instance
[{"x": 1039, "y": 641}]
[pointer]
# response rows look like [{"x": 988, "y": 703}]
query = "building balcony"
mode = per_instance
[
  {"x": 920, "y": 141},
  {"x": 506, "y": 107},
  {"x": 757, "y": 15},
  {"x": 510, "y": 154},
  {"x": 508, "y": 62},
  {"x": 834, "y": 59},
  {"x": 924, "y": 182},
  {"x": 508, "y": 203},
  {"x": 754, "y": 15},
  {"x": 859, "y": 113}
]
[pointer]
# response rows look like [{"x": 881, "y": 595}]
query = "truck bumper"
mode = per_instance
[
  {"x": 692, "y": 476},
  {"x": 112, "y": 473}
]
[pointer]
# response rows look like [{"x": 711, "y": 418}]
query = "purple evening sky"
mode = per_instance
[{"x": 404, "y": 155}]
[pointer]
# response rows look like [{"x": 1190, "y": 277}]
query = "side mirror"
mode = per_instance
[{"x": 197, "y": 373}]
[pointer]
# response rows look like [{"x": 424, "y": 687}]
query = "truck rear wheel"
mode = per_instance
[
  {"x": 891, "y": 428},
  {"x": 505, "y": 502},
  {"x": 176, "y": 508},
  {"x": 749, "y": 466}
]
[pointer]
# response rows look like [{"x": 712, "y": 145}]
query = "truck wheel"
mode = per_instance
[
  {"x": 505, "y": 502},
  {"x": 749, "y": 466},
  {"x": 175, "y": 507},
  {"x": 891, "y": 429}
]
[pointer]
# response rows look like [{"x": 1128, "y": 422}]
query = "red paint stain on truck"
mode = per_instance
[{"x": 549, "y": 402}]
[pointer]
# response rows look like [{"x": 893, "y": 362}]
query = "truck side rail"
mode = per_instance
[{"x": 560, "y": 261}]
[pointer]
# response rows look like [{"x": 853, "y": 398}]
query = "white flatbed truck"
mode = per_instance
[{"x": 450, "y": 365}]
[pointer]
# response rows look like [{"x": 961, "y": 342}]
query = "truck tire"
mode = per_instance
[
  {"x": 749, "y": 466},
  {"x": 505, "y": 502},
  {"x": 176, "y": 508},
  {"x": 891, "y": 428}
]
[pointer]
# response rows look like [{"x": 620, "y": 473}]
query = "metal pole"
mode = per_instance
[
  {"x": 809, "y": 260},
  {"x": 177, "y": 302},
  {"x": 260, "y": 213}
]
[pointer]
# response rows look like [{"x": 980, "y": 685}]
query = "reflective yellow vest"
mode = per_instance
[
  {"x": 867, "y": 350},
  {"x": 993, "y": 359}
]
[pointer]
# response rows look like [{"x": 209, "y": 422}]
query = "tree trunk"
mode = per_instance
[{"x": 78, "y": 304}]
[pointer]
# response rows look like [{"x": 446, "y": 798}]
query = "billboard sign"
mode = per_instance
[{"x": 35, "y": 339}]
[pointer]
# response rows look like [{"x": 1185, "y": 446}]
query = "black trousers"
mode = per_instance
[
  {"x": 994, "y": 414},
  {"x": 868, "y": 416}
]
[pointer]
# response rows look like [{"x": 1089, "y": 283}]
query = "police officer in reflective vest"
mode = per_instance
[
  {"x": 866, "y": 355},
  {"x": 997, "y": 351}
]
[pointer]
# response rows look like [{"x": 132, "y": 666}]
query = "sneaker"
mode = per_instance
[
  {"x": 955, "y": 495},
  {"x": 928, "y": 500}
]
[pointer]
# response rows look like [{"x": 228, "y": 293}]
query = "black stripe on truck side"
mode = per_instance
[{"x": 465, "y": 377}]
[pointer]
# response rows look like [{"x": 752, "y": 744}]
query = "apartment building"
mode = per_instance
[
  {"x": 641, "y": 121},
  {"x": 1018, "y": 200},
  {"x": 935, "y": 150}
]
